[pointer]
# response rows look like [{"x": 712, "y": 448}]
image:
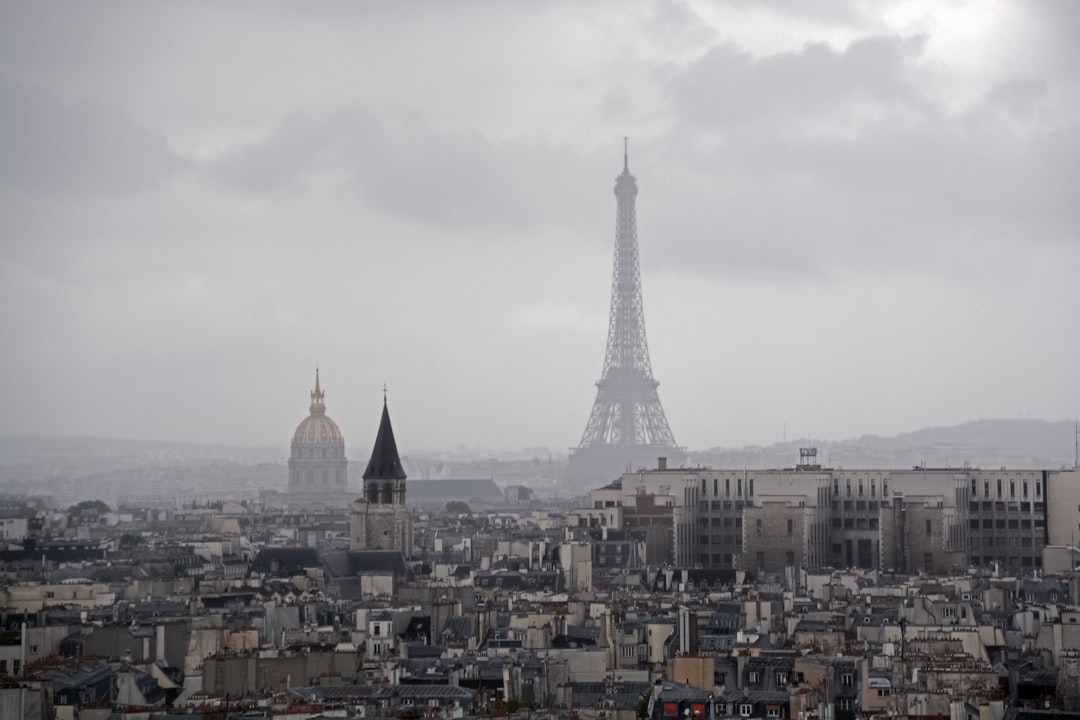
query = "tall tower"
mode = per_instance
[
  {"x": 379, "y": 519},
  {"x": 627, "y": 427},
  {"x": 317, "y": 462}
]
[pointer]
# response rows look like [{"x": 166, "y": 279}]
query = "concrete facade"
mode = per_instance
[{"x": 917, "y": 520}]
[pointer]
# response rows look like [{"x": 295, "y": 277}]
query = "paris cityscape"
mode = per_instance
[{"x": 337, "y": 385}]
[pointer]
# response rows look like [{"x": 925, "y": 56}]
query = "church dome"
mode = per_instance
[{"x": 317, "y": 428}]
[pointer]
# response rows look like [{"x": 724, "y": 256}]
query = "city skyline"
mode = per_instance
[{"x": 852, "y": 220}]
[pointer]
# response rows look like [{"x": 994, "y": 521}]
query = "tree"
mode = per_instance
[
  {"x": 642, "y": 709},
  {"x": 97, "y": 506},
  {"x": 456, "y": 507}
]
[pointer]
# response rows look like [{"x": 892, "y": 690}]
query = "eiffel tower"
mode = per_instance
[{"x": 627, "y": 428}]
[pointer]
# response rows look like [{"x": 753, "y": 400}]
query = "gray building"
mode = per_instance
[
  {"x": 379, "y": 519},
  {"x": 918, "y": 520}
]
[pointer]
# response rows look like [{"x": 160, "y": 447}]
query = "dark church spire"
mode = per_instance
[{"x": 385, "y": 463}]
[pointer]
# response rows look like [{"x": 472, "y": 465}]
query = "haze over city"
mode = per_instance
[{"x": 853, "y": 218}]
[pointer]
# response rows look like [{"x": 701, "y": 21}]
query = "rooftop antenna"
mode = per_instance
[
  {"x": 1076, "y": 447},
  {"x": 626, "y": 154}
]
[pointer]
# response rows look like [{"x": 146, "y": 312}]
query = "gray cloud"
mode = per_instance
[
  {"x": 729, "y": 87},
  {"x": 404, "y": 166},
  {"x": 828, "y": 161},
  {"x": 50, "y": 146}
]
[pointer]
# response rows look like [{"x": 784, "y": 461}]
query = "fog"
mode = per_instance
[{"x": 851, "y": 219}]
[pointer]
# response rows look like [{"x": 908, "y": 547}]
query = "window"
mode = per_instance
[
  {"x": 846, "y": 679},
  {"x": 929, "y": 527},
  {"x": 754, "y": 677},
  {"x": 746, "y": 710},
  {"x": 845, "y": 703},
  {"x": 781, "y": 679},
  {"x": 760, "y": 559},
  {"x": 760, "y": 525},
  {"x": 750, "y": 487},
  {"x": 772, "y": 711},
  {"x": 377, "y": 629},
  {"x": 790, "y": 526},
  {"x": 884, "y": 692},
  {"x": 727, "y": 487},
  {"x": 789, "y": 558}
]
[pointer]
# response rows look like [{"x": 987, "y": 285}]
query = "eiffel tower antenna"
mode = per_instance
[{"x": 627, "y": 424}]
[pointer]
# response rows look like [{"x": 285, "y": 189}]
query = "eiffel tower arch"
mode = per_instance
[{"x": 627, "y": 428}]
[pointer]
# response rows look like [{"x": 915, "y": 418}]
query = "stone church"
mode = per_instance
[{"x": 379, "y": 519}]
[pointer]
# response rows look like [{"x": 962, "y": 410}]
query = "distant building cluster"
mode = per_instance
[
  {"x": 243, "y": 609},
  {"x": 809, "y": 518}
]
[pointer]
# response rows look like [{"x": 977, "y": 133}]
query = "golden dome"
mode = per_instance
[{"x": 317, "y": 427}]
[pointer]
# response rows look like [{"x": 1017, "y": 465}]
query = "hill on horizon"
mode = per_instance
[
  {"x": 987, "y": 443},
  {"x": 1018, "y": 443}
]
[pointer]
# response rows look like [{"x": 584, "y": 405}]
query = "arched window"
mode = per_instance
[{"x": 388, "y": 494}]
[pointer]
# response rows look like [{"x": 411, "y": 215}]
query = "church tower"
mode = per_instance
[
  {"x": 317, "y": 463},
  {"x": 379, "y": 519}
]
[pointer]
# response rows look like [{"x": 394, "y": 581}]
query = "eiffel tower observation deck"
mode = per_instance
[{"x": 627, "y": 428}]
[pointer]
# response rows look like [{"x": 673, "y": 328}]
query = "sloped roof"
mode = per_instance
[
  {"x": 284, "y": 560},
  {"x": 442, "y": 491},
  {"x": 346, "y": 563},
  {"x": 384, "y": 463}
]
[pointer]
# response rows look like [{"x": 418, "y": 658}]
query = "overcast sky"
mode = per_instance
[{"x": 854, "y": 217}]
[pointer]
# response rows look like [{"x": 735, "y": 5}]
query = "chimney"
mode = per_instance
[{"x": 661, "y": 463}]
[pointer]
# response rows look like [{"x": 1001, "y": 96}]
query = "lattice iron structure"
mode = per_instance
[{"x": 627, "y": 426}]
